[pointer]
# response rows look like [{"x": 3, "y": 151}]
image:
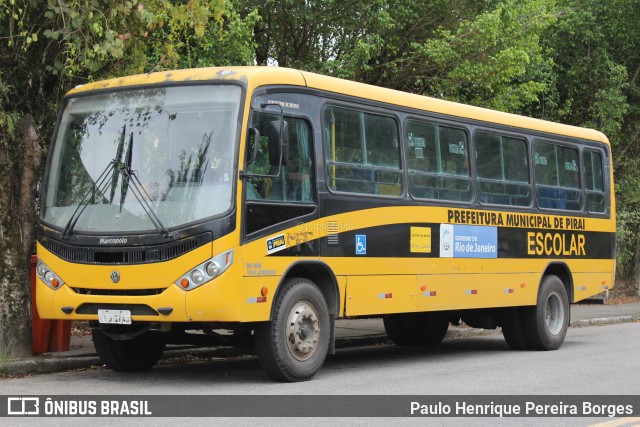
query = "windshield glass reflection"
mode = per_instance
[{"x": 178, "y": 142}]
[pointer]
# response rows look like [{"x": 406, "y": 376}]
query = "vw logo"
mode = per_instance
[{"x": 115, "y": 276}]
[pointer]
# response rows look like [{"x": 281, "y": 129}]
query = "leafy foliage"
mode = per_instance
[
  {"x": 481, "y": 52},
  {"x": 8, "y": 120}
]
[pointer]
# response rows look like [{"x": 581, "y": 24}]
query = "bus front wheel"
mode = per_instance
[
  {"x": 294, "y": 344},
  {"x": 546, "y": 324},
  {"x": 135, "y": 354}
]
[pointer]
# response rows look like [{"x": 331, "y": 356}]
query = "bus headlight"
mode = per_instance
[
  {"x": 48, "y": 277},
  {"x": 41, "y": 269},
  {"x": 205, "y": 272},
  {"x": 212, "y": 269},
  {"x": 197, "y": 277}
]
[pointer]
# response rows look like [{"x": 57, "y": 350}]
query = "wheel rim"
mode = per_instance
[
  {"x": 303, "y": 330},
  {"x": 554, "y": 316}
]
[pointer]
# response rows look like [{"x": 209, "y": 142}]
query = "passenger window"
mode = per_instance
[
  {"x": 503, "y": 170},
  {"x": 594, "y": 180},
  {"x": 557, "y": 177},
  {"x": 362, "y": 152},
  {"x": 438, "y": 162}
]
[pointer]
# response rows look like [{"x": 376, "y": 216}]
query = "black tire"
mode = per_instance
[
  {"x": 417, "y": 329},
  {"x": 136, "y": 354},
  {"x": 294, "y": 344},
  {"x": 546, "y": 324},
  {"x": 513, "y": 328},
  {"x": 396, "y": 331}
]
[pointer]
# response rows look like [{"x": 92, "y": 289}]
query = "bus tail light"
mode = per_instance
[
  {"x": 48, "y": 277},
  {"x": 205, "y": 272}
]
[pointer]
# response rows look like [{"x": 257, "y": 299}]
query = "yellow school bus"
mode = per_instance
[{"x": 257, "y": 205}]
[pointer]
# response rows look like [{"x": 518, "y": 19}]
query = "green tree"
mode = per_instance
[
  {"x": 480, "y": 52},
  {"x": 225, "y": 38},
  {"x": 596, "y": 68}
]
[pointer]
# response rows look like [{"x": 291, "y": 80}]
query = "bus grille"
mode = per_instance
[
  {"x": 119, "y": 292},
  {"x": 125, "y": 255}
]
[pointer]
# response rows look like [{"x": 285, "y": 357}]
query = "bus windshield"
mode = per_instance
[{"x": 174, "y": 145}]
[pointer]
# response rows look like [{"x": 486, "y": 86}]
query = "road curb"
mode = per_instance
[
  {"x": 605, "y": 320},
  {"x": 49, "y": 366}
]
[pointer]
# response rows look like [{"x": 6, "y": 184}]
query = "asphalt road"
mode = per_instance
[{"x": 596, "y": 360}]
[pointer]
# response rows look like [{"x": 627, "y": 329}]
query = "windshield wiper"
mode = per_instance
[
  {"x": 130, "y": 180},
  {"x": 115, "y": 168},
  {"x": 126, "y": 168},
  {"x": 117, "y": 162},
  {"x": 101, "y": 183},
  {"x": 98, "y": 188}
]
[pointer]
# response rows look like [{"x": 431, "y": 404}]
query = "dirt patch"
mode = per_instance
[
  {"x": 80, "y": 328},
  {"x": 623, "y": 300}
]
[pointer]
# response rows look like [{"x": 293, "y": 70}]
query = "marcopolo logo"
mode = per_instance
[{"x": 113, "y": 240}]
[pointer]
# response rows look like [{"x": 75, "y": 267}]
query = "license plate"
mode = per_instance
[{"x": 117, "y": 317}]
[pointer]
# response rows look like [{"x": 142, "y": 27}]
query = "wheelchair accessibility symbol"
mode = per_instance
[{"x": 361, "y": 244}]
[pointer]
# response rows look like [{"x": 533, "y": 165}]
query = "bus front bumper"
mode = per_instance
[{"x": 221, "y": 300}]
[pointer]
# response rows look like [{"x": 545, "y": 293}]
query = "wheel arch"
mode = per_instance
[
  {"x": 320, "y": 274},
  {"x": 562, "y": 271}
]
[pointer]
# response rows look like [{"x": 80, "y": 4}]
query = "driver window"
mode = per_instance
[
  {"x": 295, "y": 182},
  {"x": 272, "y": 200}
]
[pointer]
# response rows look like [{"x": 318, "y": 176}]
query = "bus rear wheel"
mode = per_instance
[
  {"x": 513, "y": 328},
  {"x": 135, "y": 354},
  {"x": 294, "y": 344},
  {"x": 418, "y": 329},
  {"x": 546, "y": 324}
]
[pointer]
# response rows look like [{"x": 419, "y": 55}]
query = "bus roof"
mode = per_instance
[{"x": 261, "y": 76}]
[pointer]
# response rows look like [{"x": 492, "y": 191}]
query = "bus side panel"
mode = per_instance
[
  {"x": 586, "y": 285},
  {"x": 591, "y": 277},
  {"x": 380, "y": 294},
  {"x": 465, "y": 291},
  {"x": 342, "y": 289}
]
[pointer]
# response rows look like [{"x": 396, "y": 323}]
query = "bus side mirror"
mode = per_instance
[{"x": 278, "y": 142}]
